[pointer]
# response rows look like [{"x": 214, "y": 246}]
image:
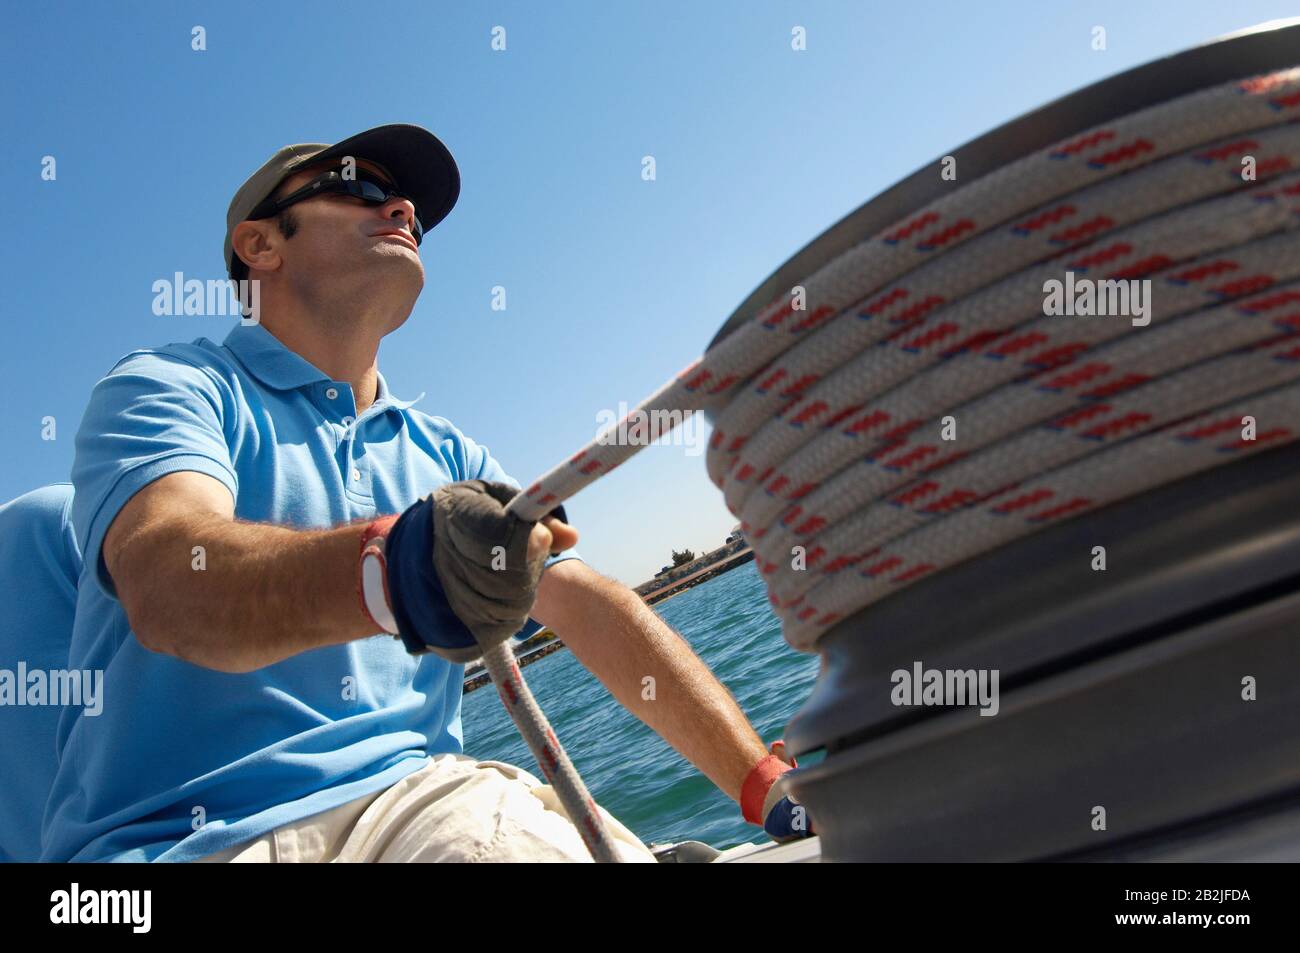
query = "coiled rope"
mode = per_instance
[{"x": 910, "y": 405}]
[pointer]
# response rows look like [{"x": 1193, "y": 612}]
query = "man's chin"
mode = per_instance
[
  {"x": 387, "y": 278},
  {"x": 395, "y": 258}
]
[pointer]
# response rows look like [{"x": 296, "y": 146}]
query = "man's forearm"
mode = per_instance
[
  {"x": 254, "y": 595},
  {"x": 654, "y": 673}
]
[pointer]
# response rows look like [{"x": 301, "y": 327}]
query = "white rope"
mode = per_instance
[
  {"x": 958, "y": 382},
  {"x": 830, "y": 404},
  {"x": 971, "y": 388},
  {"x": 550, "y": 754}
]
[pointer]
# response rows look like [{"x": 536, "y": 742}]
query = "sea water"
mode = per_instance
[{"x": 632, "y": 772}]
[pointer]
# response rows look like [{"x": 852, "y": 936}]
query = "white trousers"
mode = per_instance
[{"x": 455, "y": 809}]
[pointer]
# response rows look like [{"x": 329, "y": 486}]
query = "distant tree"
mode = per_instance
[{"x": 684, "y": 556}]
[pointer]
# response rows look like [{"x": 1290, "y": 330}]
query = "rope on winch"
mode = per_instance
[{"x": 911, "y": 405}]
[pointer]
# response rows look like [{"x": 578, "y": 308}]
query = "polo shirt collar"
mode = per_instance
[
  {"x": 266, "y": 358},
  {"x": 385, "y": 399}
]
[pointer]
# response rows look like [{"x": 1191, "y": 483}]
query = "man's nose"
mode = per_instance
[{"x": 401, "y": 208}]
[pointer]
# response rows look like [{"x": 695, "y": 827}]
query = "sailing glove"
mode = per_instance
[
  {"x": 451, "y": 575},
  {"x": 762, "y": 801}
]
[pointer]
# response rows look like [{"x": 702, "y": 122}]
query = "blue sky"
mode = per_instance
[{"x": 613, "y": 283}]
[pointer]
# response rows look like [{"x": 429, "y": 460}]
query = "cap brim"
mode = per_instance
[{"x": 420, "y": 165}]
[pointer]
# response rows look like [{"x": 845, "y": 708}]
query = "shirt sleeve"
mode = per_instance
[
  {"x": 154, "y": 414},
  {"x": 483, "y": 466}
]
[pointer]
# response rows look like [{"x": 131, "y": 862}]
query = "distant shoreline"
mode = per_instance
[{"x": 677, "y": 587}]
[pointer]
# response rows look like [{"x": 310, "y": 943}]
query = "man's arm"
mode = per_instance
[
  {"x": 621, "y": 641},
  {"x": 265, "y": 592}
]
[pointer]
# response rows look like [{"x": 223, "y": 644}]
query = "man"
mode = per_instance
[
  {"x": 237, "y": 505},
  {"x": 39, "y": 566}
]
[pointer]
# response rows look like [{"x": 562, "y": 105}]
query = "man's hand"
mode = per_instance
[
  {"x": 783, "y": 818},
  {"x": 788, "y": 820},
  {"x": 461, "y": 572},
  {"x": 551, "y": 536},
  {"x": 778, "y": 749}
]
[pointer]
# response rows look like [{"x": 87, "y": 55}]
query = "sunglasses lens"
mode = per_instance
[
  {"x": 376, "y": 192},
  {"x": 368, "y": 190}
]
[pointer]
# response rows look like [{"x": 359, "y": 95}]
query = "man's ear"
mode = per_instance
[{"x": 251, "y": 241}]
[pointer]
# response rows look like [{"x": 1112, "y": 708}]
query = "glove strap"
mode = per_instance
[
  {"x": 757, "y": 783},
  {"x": 372, "y": 575}
]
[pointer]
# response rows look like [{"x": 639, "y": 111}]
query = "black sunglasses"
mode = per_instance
[{"x": 365, "y": 186}]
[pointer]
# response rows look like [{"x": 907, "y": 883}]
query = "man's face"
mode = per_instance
[{"x": 336, "y": 233}]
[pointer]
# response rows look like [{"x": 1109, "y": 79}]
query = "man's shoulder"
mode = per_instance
[
  {"x": 200, "y": 352},
  {"x": 200, "y": 359},
  {"x": 435, "y": 426}
]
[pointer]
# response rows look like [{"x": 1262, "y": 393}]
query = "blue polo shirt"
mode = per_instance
[
  {"x": 39, "y": 565},
  {"x": 185, "y": 761}
]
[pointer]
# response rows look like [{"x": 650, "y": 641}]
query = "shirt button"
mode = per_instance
[
  {"x": 356, "y": 475},
  {"x": 332, "y": 393}
]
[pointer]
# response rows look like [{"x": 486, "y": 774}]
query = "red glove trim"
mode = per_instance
[{"x": 757, "y": 783}]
